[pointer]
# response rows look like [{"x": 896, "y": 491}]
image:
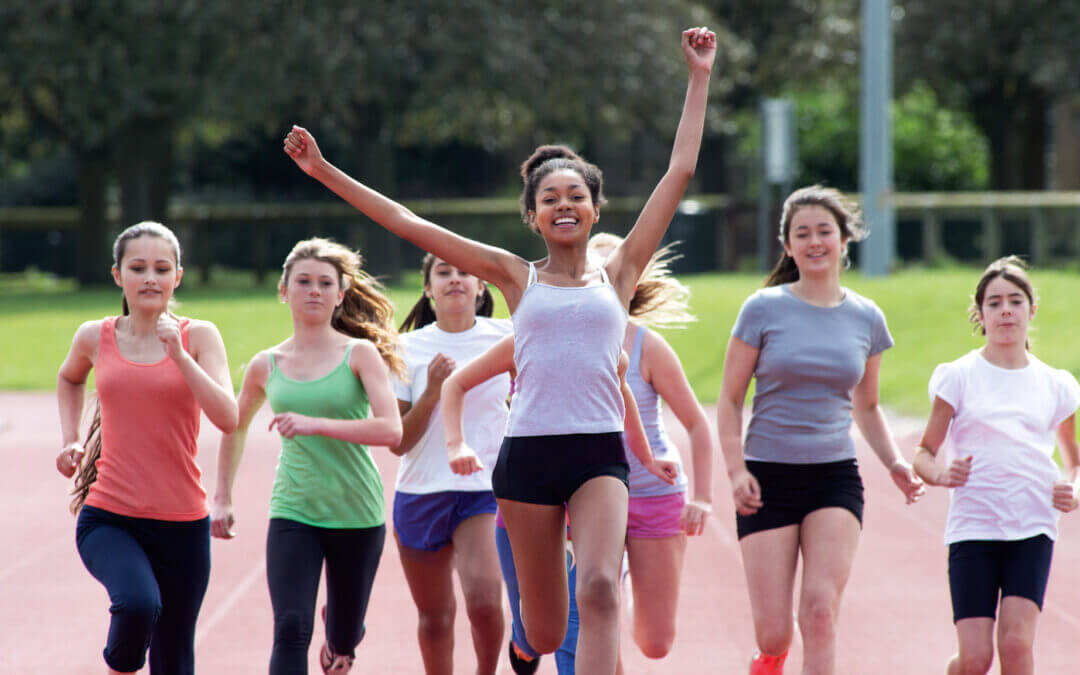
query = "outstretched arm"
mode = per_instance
[
  {"x": 871, "y": 422},
  {"x": 499, "y": 358},
  {"x": 507, "y": 271},
  {"x": 631, "y": 256}
]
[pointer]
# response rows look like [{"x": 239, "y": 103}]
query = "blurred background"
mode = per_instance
[{"x": 116, "y": 111}]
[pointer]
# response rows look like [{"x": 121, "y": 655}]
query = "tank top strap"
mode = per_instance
[
  {"x": 107, "y": 341},
  {"x": 532, "y": 275},
  {"x": 635, "y": 351},
  {"x": 603, "y": 276},
  {"x": 185, "y": 329}
]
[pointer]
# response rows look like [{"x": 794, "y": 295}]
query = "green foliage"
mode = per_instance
[{"x": 934, "y": 148}]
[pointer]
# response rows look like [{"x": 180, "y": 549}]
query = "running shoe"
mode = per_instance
[
  {"x": 520, "y": 665},
  {"x": 767, "y": 665},
  {"x": 331, "y": 663}
]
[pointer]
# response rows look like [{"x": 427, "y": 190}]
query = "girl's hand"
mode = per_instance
[
  {"x": 957, "y": 473},
  {"x": 301, "y": 146},
  {"x": 665, "y": 470},
  {"x": 463, "y": 461},
  {"x": 69, "y": 459},
  {"x": 1066, "y": 496},
  {"x": 910, "y": 484},
  {"x": 746, "y": 492},
  {"x": 222, "y": 521},
  {"x": 168, "y": 331},
  {"x": 694, "y": 516},
  {"x": 699, "y": 48},
  {"x": 437, "y": 371},
  {"x": 291, "y": 424}
]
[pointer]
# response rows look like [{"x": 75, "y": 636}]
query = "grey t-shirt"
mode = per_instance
[{"x": 809, "y": 360}]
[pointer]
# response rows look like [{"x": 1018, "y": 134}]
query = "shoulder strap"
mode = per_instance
[{"x": 532, "y": 275}]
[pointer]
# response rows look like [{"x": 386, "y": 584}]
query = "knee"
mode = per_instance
[
  {"x": 655, "y": 644},
  {"x": 1015, "y": 646},
  {"x": 973, "y": 662},
  {"x": 546, "y": 638},
  {"x": 436, "y": 623},
  {"x": 139, "y": 611},
  {"x": 293, "y": 627},
  {"x": 774, "y": 638},
  {"x": 597, "y": 594},
  {"x": 484, "y": 607},
  {"x": 817, "y": 616}
]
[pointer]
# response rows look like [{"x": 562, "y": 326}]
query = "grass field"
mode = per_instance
[{"x": 926, "y": 310}]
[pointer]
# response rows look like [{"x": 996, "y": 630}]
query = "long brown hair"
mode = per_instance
[
  {"x": 87, "y": 473},
  {"x": 659, "y": 299},
  {"x": 364, "y": 312},
  {"x": 848, "y": 218},
  {"x": 423, "y": 312},
  {"x": 1011, "y": 268}
]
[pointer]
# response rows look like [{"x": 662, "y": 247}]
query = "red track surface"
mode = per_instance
[{"x": 895, "y": 619}]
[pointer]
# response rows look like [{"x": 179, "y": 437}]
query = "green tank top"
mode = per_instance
[{"x": 322, "y": 481}]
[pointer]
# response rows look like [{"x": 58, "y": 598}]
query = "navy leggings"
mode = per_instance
[
  {"x": 294, "y": 558},
  {"x": 156, "y": 572}
]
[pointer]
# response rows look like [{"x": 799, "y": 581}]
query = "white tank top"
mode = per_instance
[{"x": 567, "y": 342}]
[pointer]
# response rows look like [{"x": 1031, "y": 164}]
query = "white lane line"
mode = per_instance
[{"x": 221, "y": 611}]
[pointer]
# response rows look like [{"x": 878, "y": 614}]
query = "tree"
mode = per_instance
[{"x": 1004, "y": 61}]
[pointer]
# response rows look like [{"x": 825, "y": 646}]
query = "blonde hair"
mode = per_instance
[
  {"x": 660, "y": 300},
  {"x": 364, "y": 312}
]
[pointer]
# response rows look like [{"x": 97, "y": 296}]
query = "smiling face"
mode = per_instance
[
  {"x": 564, "y": 207},
  {"x": 313, "y": 290},
  {"x": 148, "y": 274},
  {"x": 1005, "y": 312},
  {"x": 452, "y": 291},
  {"x": 815, "y": 241}
]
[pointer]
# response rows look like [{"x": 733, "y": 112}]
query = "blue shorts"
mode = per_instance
[
  {"x": 980, "y": 570},
  {"x": 427, "y": 522}
]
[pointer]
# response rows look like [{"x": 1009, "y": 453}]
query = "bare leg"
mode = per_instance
[
  {"x": 598, "y": 512},
  {"x": 477, "y": 564},
  {"x": 769, "y": 560},
  {"x": 975, "y": 637},
  {"x": 828, "y": 539},
  {"x": 1017, "y": 620},
  {"x": 538, "y": 542},
  {"x": 429, "y": 576},
  {"x": 655, "y": 571}
]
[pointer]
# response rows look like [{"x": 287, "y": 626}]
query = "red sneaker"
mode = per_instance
[{"x": 763, "y": 664}]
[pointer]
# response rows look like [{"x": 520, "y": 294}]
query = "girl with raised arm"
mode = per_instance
[
  {"x": 329, "y": 388},
  {"x": 143, "y": 528},
  {"x": 814, "y": 349},
  {"x": 442, "y": 521},
  {"x": 998, "y": 409},
  {"x": 569, "y": 317}
]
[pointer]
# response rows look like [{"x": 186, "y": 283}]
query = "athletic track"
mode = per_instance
[{"x": 895, "y": 619}]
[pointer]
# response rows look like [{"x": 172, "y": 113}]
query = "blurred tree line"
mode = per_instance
[{"x": 153, "y": 100}]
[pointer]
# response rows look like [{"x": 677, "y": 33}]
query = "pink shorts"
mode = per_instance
[{"x": 655, "y": 517}]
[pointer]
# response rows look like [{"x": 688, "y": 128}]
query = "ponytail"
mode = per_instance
[
  {"x": 785, "y": 271},
  {"x": 87, "y": 473}
]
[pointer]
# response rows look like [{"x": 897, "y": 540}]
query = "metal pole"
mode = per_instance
[{"x": 875, "y": 146}]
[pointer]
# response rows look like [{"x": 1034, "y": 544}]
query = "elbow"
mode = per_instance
[
  {"x": 229, "y": 422},
  {"x": 393, "y": 439},
  {"x": 682, "y": 171}
]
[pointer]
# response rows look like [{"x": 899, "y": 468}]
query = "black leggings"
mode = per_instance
[
  {"x": 294, "y": 560},
  {"x": 156, "y": 572}
]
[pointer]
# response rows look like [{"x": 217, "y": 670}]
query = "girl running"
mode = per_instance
[
  {"x": 999, "y": 408},
  {"x": 444, "y": 522},
  {"x": 329, "y": 388},
  {"x": 569, "y": 320},
  {"x": 814, "y": 348},
  {"x": 143, "y": 527}
]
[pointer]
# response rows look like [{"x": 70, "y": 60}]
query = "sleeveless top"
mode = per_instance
[
  {"x": 149, "y": 431},
  {"x": 643, "y": 483},
  {"x": 567, "y": 343},
  {"x": 321, "y": 481}
]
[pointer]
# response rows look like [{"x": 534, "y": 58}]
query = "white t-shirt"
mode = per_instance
[
  {"x": 425, "y": 468},
  {"x": 1006, "y": 420}
]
